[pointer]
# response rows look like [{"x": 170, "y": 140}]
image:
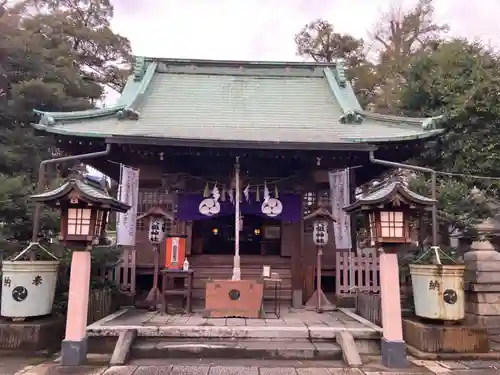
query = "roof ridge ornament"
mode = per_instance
[
  {"x": 139, "y": 68},
  {"x": 351, "y": 117},
  {"x": 128, "y": 114},
  {"x": 340, "y": 72},
  {"x": 47, "y": 120}
]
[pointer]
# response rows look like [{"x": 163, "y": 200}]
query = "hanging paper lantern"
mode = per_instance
[
  {"x": 276, "y": 195},
  {"x": 257, "y": 194},
  {"x": 205, "y": 191}
]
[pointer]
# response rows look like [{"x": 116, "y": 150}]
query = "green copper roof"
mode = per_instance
[{"x": 240, "y": 101}]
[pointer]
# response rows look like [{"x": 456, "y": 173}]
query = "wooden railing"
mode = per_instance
[
  {"x": 357, "y": 272},
  {"x": 101, "y": 304},
  {"x": 122, "y": 273},
  {"x": 369, "y": 307}
]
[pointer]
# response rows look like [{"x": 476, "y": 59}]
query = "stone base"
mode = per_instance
[
  {"x": 32, "y": 336},
  {"x": 74, "y": 353},
  {"x": 393, "y": 354},
  {"x": 234, "y": 299},
  {"x": 438, "y": 338},
  {"x": 297, "y": 298}
]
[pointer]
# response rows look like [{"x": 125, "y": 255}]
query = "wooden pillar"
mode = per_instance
[
  {"x": 74, "y": 345},
  {"x": 297, "y": 235}
]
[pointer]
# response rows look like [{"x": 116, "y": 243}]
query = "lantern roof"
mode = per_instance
[
  {"x": 156, "y": 211},
  {"x": 394, "y": 192},
  {"x": 87, "y": 191}
]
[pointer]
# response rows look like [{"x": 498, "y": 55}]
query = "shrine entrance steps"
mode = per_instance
[{"x": 297, "y": 334}]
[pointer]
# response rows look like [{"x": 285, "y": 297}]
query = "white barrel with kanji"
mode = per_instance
[
  {"x": 438, "y": 291},
  {"x": 28, "y": 288}
]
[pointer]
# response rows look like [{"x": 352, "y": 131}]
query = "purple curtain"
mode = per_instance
[{"x": 188, "y": 208}]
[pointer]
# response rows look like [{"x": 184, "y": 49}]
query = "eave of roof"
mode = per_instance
[
  {"x": 87, "y": 192},
  {"x": 386, "y": 193}
]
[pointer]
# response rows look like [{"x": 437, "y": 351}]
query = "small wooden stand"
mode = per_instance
[
  {"x": 234, "y": 299},
  {"x": 186, "y": 292}
]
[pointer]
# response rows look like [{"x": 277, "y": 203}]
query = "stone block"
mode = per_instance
[
  {"x": 483, "y": 266},
  {"x": 482, "y": 288},
  {"x": 481, "y": 308},
  {"x": 32, "y": 336},
  {"x": 479, "y": 277},
  {"x": 493, "y": 297},
  {"x": 350, "y": 352},
  {"x": 438, "y": 338},
  {"x": 487, "y": 321}
]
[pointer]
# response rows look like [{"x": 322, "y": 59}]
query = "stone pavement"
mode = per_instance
[{"x": 371, "y": 366}]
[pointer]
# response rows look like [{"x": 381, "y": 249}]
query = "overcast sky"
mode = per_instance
[{"x": 264, "y": 29}]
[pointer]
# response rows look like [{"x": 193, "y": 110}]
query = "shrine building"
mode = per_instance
[{"x": 185, "y": 123}]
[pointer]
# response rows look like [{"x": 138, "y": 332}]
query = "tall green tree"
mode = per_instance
[
  {"x": 461, "y": 80},
  {"x": 54, "y": 56}
]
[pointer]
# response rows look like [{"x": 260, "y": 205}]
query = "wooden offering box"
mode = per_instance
[{"x": 234, "y": 298}]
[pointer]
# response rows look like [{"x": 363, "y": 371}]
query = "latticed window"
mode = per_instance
[
  {"x": 309, "y": 205},
  {"x": 79, "y": 221},
  {"x": 150, "y": 198},
  {"x": 309, "y": 201}
]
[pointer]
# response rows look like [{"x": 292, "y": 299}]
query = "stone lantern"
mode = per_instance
[
  {"x": 84, "y": 206},
  {"x": 388, "y": 210},
  {"x": 157, "y": 222}
]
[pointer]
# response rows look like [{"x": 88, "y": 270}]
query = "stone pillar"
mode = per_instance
[
  {"x": 393, "y": 347},
  {"x": 482, "y": 286},
  {"x": 74, "y": 345}
]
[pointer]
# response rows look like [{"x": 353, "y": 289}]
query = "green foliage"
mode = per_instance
[
  {"x": 461, "y": 80},
  {"x": 102, "y": 256},
  {"x": 417, "y": 73},
  {"x": 55, "y": 55},
  {"x": 458, "y": 208}
]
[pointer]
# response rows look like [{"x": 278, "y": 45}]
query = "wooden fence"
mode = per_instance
[
  {"x": 369, "y": 307},
  {"x": 357, "y": 272},
  {"x": 123, "y": 273},
  {"x": 101, "y": 304}
]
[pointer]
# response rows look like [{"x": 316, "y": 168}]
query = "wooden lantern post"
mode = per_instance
[
  {"x": 388, "y": 211},
  {"x": 321, "y": 216},
  {"x": 84, "y": 207},
  {"x": 157, "y": 222}
]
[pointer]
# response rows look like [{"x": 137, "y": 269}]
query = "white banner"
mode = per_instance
[
  {"x": 339, "y": 196},
  {"x": 128, "y": 192}
]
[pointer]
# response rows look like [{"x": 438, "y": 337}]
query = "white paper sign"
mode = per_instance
[
  {"x": 339, "y": 195},
  {"x": 128, "y": 193},
  {"x": 320, "y": 233}
]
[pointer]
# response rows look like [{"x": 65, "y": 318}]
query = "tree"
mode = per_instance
[
  {"x": 83, "y": 27},
  {"x": 50, "y": 59},
  {"x": 459, "y": 207},
  {"x": 398, "y": 37},
  {"x": 318, "y": 40},
  {"x": 461, "y": 80}
]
